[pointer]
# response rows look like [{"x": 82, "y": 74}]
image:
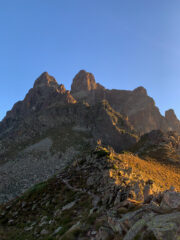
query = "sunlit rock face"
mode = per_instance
[
  {"x": 84, "y": 86},
  {"x": 83, "y": 81},
  {"x": 45, "y": 80}
]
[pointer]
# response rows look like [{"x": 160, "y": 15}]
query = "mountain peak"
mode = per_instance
[
  {"x": 45, "y": 80},
  {"x": 140, "y": 90},
  {"x": 173, "y": 121},
  {"x": 170, "y": 114},
  {"x": 83, "y": 81}
]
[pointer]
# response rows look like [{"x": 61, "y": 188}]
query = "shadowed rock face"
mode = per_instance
[
  {"x": 100, "y": 120},
  {"x": 159, "y": 145},
  {"x": 49, "y": 105},
  {"x": 46, "y": 91},
  {"x": 140, "y": 91}
]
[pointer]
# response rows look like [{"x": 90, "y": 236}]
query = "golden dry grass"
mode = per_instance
[{"x": 163, "y": 175}]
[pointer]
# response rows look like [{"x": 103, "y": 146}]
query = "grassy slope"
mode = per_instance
[
  {"x": 164, "y": 175},
  {"x": 47, "y": 197}
]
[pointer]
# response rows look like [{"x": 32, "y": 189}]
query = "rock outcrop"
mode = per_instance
[{"x": 159, "y": 145}]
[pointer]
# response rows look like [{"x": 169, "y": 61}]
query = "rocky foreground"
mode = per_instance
[{"x": 102, "y": 195}]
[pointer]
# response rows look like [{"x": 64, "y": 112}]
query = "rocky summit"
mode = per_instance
[
  {"x": 89, "y": 163},
  {"x": 136, "y": 105}
]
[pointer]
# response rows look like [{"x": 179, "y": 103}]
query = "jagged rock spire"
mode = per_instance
[
  {"x": 140, "y": 90},
  {"x": 172, "y": 120},
  {"x": 83, "y": 81},
  {"x": 45, "y": 80},
  {"x": 170, "y": 114}
]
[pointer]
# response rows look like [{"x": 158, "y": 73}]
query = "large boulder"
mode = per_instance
[
  {"x": 171, "y": 201},
  {"x": 164, "y": 227}
]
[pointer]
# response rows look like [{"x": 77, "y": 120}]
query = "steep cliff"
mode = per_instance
[{"x": 136, "y": 105}]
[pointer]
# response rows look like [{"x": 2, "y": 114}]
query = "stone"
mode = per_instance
[
  {"x": 77, "y": 226},
  {"x": 24, "y": 204},
  {"x": 27, "y": 229},
  {"x": 90, "y": 181},
  {"x": 44, "y": 232},
  {"x": 96, "y": 200},
  {"x": 105, "y": 233},
  {"x": 34, "y": 207},
  {"x": 172, "y": 189},
  {"x": 11, "y": 222},
  {"x": 42, "y": 224},
  {"x": 68, "y": 206},
  {"x": 128, "y": 203},
  {"x": 47, "y": 204},
  {"x": 3, "y": 214},
  {"x": 57, "y": 213},
  {"x": 122, "y": 210},
  {"x": 93, "y": 232},
  {"x": 115, "y": 224},
  {"x": 14, "y": 214},
  {"x": 170, "y": 200},
  {"x": 93, "y": 210},
  {"x": 33, "y": 224},
  {"x": 147, "y": 192},
  {"x": 57, "y": 230},
  {"x": 44, "y": 218},
  {"x": 165, "y": 226}
]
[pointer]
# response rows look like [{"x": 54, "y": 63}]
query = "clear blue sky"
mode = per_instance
[{"x": 124, "y": 43}]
